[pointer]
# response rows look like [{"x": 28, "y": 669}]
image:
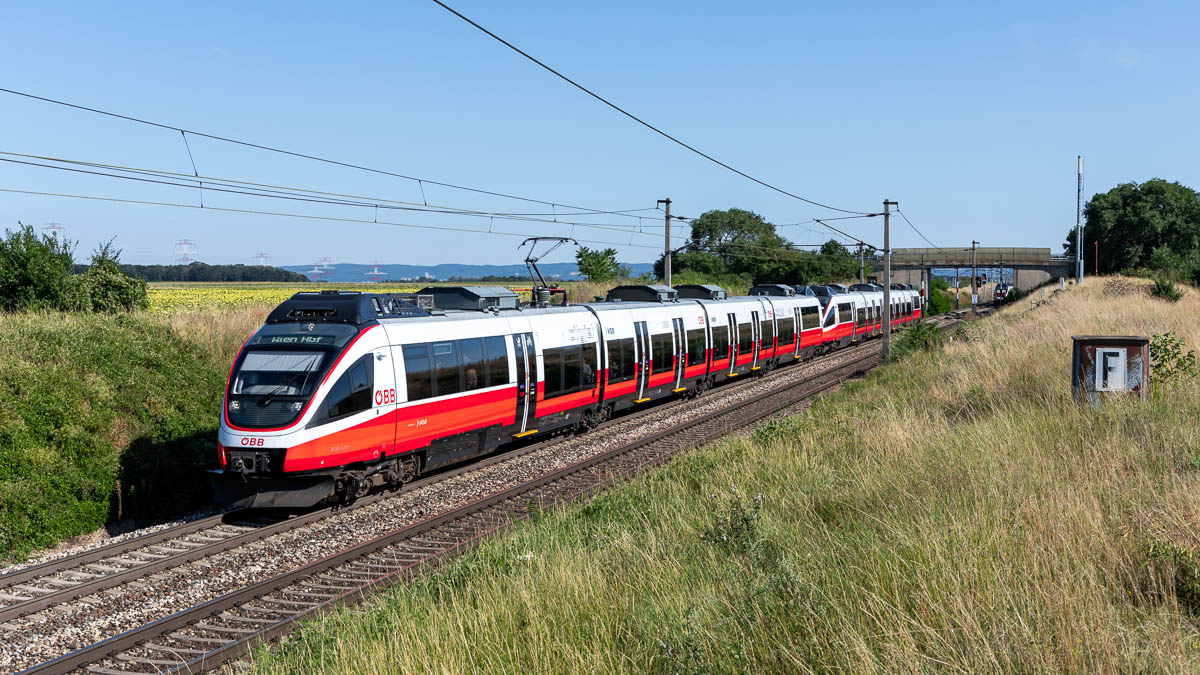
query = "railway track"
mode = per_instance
[{"x": 261, "y": 611}]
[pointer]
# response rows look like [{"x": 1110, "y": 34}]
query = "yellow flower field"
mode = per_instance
[{"x": 168, "y": 298}]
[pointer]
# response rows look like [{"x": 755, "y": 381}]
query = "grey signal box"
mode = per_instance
[{"x": 1109, "y": 365}]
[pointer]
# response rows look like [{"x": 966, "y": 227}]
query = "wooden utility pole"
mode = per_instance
[
  {"x": 887, "y": 278},
  {"x": 861, "y": 266},
  {"x": 667, "y": 242},
  {"x": 1097, "y": 243},
  {"x": 974, "y": 278}
]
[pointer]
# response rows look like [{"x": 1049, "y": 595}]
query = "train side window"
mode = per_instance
[
  {"x": 447, "y": 373},
  {"x": 862, "y": 316},
  {"x": 787, "y": 331},
  {"x": 695, "y": 340},
  {"x": 572, "y": 369},
  {"x": 352, "y": 392},
  {"x": 620, "y": 360},
  {"x": 831, "y": 317},
  {"x": 552, "y": 372},
  {"x": 766, "y": 329},
  {"x": 474, "y": 375},
  {"x": 628, "y": 359},
  {"x": 497, "y": 355},
  {"x": 745, "y": 339},
  {"x": 845, "y": 312},
  {"x": 417, "y": 372},
  {"x": 810, "y": 317},
  {"x": 587, "y": 373},
  {"x": 720, "y": 339},
  {"x": 661, "y": 353}
]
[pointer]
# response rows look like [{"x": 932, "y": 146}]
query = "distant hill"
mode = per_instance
[{"x": 347, "y": 272}]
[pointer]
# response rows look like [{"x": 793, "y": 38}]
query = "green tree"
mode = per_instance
[
  {"x": 596, "y": 264},
  {"x": 1132, "y": 221}
]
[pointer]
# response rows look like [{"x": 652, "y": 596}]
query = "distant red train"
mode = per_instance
[{"x": 340, "y": 391}]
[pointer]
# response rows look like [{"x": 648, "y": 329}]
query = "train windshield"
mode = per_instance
[
  {"x": 278, "y": 373},
  {"x": 280, "y": 369}
]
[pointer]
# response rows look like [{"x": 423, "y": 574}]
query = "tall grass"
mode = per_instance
[{"x": 953, "y": 512}]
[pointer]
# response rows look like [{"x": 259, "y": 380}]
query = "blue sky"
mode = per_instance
[{"x": 968, "y": 114}]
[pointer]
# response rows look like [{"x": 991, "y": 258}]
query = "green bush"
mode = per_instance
[
  {"x": 36, "y": 273},
  {"x": 101, "y": 417},
  {"x": 926, "y": 337},
  {"x": 105, "y": 288},
  {"x": 1168, "y": 360},
  {"x": 1166, "y": 289}
]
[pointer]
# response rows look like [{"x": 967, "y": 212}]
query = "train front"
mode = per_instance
[{"x": 269, "y": 402}]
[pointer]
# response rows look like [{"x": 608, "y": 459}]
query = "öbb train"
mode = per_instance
[{"x": 340, "y": 391}]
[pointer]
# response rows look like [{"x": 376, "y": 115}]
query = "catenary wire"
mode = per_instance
[
  {"x": 221, "y": 185},
  {"x": 300, "y": 155},
  {"x": 919, "y": 234},
  {"x": 365, "y": 221},
  {"x": 635, "y": 118}
]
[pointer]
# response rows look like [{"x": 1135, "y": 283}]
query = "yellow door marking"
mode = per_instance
[{"x": 525, "y": 433}]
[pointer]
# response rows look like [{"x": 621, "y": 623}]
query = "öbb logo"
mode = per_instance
[{"x": 385, "y": 396}]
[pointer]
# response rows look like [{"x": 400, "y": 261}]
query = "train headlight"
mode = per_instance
[
  {"x": 235, "y": 405},
  {"x": 296, "y": 406}
]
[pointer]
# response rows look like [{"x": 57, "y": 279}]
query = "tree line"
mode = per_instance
[{"x": 199, "y": 271}]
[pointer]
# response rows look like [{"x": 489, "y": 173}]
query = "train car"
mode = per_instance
[{"x": 838, "y": 322}]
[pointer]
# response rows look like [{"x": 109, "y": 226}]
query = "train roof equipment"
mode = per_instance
[
  {"x": 643, "y": 293},
  {"x": 776, "y": 290},
  {"x": 701, "y": 292},
  {"x": 480, "y": 298},
  {"x": 352, "y": 307}
]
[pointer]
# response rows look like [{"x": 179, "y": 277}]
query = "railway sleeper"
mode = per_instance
[
  {"x": 148, "y": 661},
  {"x": 101, "y": 670},
  {"x": 226, "y": 629},
  {"x": 247, "y": 619},
  {"x": 184, "y": 637},
  {"x": 150, "y": 646}
]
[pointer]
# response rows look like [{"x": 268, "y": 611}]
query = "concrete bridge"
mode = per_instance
[{"x": 1031, "y": 266}]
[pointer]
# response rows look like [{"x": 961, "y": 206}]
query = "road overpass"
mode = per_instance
[{"x": 1031, "y": 266}]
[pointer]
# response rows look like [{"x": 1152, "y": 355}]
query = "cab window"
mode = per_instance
[{"x": 352, "y": 391}]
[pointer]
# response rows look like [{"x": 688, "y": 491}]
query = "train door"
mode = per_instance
[
  {"x": 733, "y": 340},
  {"x": 799, "y": 326},
  {"x": 680, "y": 351},
  {"x": 756, "y": 338},
  {"x": 523, "y": 347},
  {"x": 641, "y": 338}
]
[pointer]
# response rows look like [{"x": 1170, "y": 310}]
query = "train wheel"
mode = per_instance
[
  {"x": 590, "y": 419},
  {"x": 408, "y": 470}
]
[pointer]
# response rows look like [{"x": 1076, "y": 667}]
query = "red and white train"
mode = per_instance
[{"x": 340, "y": 391}]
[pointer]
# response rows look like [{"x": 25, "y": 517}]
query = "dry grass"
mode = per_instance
[
  {"x": 221, "y": 333},
  {"x": 956, "y": 511}
]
